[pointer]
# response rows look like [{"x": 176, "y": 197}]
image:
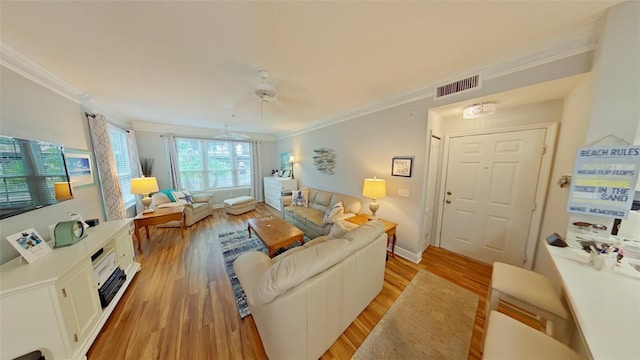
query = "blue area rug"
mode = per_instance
[{"x": 233, "y": 244}]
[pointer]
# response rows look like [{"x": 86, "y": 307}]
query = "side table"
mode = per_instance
[
  {"x": 160, "y": 216},
  {"x": 389, "y": 229}
]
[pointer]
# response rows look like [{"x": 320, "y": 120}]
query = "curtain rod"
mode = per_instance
[{"x": 110, "y": 123}]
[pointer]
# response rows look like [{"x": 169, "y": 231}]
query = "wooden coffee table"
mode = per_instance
[
  {"x": 160, "y": 216},
  {"x": 274, "y": 232}
]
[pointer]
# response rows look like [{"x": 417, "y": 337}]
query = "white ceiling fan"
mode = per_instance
[
  {"x": 228, "y": 135},
  {"x": 265, "y": 91}
]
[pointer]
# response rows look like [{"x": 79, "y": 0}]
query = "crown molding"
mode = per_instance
[
  {"x": 20, "y": 64},
  {"x": 191, "y": 131},
  {"x": 577, "y": 41}
]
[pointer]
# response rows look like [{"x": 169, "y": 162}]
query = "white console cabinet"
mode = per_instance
[
  {"x": 273, "y": 188},
  {"x": 52, "y": 305}
]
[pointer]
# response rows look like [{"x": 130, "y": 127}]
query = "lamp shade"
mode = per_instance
[
  {"x": 292, "y": 159},
  {"x": 374, "y": 188},
  {"x": 144, "y": 185},
  {"x": 62, "y": 191}
]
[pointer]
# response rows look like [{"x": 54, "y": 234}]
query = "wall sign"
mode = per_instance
[
  {"x": 402, "y": 166},
  {"x": 604, "y": 181}
]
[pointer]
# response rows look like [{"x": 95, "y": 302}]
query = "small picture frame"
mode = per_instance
[
  {"x": 402, "y": 166},
  {"x": 287, "y": 173},
  {"x": 29, "y": 244},
  {"x": 80, "y": 167}
]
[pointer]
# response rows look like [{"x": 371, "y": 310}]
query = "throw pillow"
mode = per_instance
[
  {"x": 183, "y": 196},
  {"x": 169, "y": 194},
  {"x": 300, "y": 197},
  {"x": 332, "y": 212}
]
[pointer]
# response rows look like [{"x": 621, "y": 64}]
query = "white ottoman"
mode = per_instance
[
  {"x": 506, "y": 338},
  {"x": 239, "y": 205}
]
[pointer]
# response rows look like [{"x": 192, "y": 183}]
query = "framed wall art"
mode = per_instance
[
  {"x": 80, "y": 167},
  {"x": 402, "y": 166}
]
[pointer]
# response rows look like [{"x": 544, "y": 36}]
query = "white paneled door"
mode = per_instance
[{"x": 490, "y": 194}]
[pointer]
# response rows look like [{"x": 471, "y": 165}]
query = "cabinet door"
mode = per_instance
[
  {"x": 124, "y": 248},
  {"x": 79, "y": 302}
]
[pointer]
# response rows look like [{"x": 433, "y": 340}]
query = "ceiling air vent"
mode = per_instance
[{"x": 463, "y": 85}]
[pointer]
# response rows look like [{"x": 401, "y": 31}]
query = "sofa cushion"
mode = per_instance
[
  {"x": 362, "y": 235},
  {"x": 339, "y": 228},
  {"x": 173, "y": 204},
  {"x": 295, "y": 268},
  {"x": 319, "y": 199},
  {"x": 307, "y": 214},
  {"x": 331, "y": 213}
]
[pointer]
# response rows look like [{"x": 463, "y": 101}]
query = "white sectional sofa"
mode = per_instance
[{"x": 303, "y": 299}]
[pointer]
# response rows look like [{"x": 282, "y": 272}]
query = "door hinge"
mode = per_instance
[
  {"x": 64, "y": 292},
  {"x": 544, "y": 150},
  {"x": 75, "y": 337}
]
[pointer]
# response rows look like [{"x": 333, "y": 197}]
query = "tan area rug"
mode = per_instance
[{"x": 431, "y": 319}]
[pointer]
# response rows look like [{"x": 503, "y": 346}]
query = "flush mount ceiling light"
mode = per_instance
[{"x": 479, "y": 110}]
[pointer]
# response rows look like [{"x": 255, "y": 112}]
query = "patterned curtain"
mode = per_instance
[
  {"x": 134, "y": 160},
  {"x": 172, "y": 150},
  {"x": 103, "y": 151},
  {"x": 256, "y": 175}
]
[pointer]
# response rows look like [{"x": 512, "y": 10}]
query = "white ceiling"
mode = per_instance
[{"x": 195, "y": 63}]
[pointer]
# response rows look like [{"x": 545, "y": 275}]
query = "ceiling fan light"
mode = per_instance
[
  {"x": 265, "y": 91},
  {"x": 479, "y": 110}
]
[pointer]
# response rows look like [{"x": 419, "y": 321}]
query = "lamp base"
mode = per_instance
[
  {"x": 374, "y": 206},
  {"x": 146, "y": 201}
]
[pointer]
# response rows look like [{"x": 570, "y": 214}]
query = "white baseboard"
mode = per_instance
[{"x": 406, "y": 254}]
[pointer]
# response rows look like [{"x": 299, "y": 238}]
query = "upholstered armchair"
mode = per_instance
[{"x": 200, "y": 206}]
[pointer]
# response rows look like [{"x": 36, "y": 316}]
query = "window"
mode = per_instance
[
  {"x": 123, "y": 168},
  {"x": 213, "y": 164}
]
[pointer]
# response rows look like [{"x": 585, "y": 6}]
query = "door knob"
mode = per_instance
[
  {"x": 448, "y": 201},
  {"x": 448, "y": 192}
]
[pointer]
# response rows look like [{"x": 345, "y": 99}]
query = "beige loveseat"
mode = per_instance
[
  {"x": 303, "y": 299},
  {"x": 201, "y": 208},
  {"x": 310, "y": 218}
]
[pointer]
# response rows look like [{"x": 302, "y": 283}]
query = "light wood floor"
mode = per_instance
[{"x": 181, "y": 306}]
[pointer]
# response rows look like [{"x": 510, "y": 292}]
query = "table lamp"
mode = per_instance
[
  {"x": 144, "y": 186},
  {"x": 292, "y": 159},
  {"x": 374, "y": 189},
  {"x": 62, "y": 190}
]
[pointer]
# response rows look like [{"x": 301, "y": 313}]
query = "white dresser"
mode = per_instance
[
  {"x": 52, "y": 305},
  {"x": 273, "y": 188}
]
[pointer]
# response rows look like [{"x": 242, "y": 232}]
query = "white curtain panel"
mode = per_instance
[
  {"x": 103, "y": 152},
  {"x": 256, "y": 166},
  {"x": 134, "y": 161},
  {"x": 172, "y": 150}
]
